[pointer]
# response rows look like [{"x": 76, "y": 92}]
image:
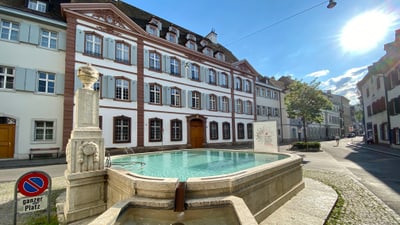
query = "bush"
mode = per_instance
[{"x": 302, "y": 146}]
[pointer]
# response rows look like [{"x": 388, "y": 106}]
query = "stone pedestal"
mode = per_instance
[{"x": 85, "y": 174}]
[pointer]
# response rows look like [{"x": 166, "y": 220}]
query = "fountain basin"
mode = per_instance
[{"x": 263, "y": 188}]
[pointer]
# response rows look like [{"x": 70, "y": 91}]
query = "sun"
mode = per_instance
[{"x": 365, "y": 31}]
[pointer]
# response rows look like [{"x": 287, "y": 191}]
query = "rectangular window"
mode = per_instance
[
  {"x": 93, "y": 45},
  {"x": 122, "y": 52},
  {"x": 47, "y": 82},
  {"x": 155, "y": 129},
  {"x": 225, "y": 104},
  {"x": 44, "y": 131},
  {"x": 155, "y": 61},
  {"x": 122, "y": 89},
  {"x": 213, "y": 103},
  {"x": 213, "y": 130},
  {"x": 9, "y": 30},
  {"x": 174, "y": 66},
  {"x": 122, "y": 129},
  {"x": 176, "y": 130},
  {"x": 6, "y": 77},
  {"x": 226, "y": 130},
  {"x": 240, "y": 127},
  {"x": 249, "y": 131},
  {"x": 48, "y": 39},
  {"x": 37, "y": 5},
  {"x": 212, "y": 79},
  {"x": 155, "y": 94},
  {"x": 223, "y": 80},
  {"x": 175, "y": 97},
  {"x": 196, "y": 100},
  {"x": 194, "y": 72}
]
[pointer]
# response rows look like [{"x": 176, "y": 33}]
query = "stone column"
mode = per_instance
[{"x": 85, "y": 173}]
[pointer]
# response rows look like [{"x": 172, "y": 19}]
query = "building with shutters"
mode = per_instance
[{"x": 161, "y": 86}]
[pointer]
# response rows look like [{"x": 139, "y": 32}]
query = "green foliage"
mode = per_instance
[{"x": 309, "y": 146}]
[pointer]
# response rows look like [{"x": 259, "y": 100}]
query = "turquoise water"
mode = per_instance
[{"x": 192, "y": 163}]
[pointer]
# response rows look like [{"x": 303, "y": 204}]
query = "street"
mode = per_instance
[{"x": 379, "y": 172}]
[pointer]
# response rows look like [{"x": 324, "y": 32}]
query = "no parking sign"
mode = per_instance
[{"x": 32, "y": 185}]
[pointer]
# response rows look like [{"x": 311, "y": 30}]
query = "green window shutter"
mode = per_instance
[
  {"x": 24, "y": 32},
  {"x": 80, "y": 41},
  {"x": 78, "y": 83},
  {"x": 111, "y": 87},
  {"x": 34, "y": 34},
  {"x": 203, "y": 101},
  {"x": 219, "y": 99},
  {"x": 134, "y": 55},
  {"x": 183, "y": 98},
  {"x": 167, "y": 64},
  {"x": 164, "y": 95},
  {"x": 202, "y": 73},
  {"x": 146, "y": 92},
  {"x": 163, "y": 63},
  {"x": 31, "y": 80},
  {"x": 133, "y": 90},
  {"x": 229, "y": 81},
  {"x": 168, "y": 95},
  {"x": 146, "y": 59},
  {"x": 62, "y": 41},
  {"x": 59, "y": 84},
  {"x": 183, "y": 68},
  {"x": 19, "y": 79},
  {"x": 207, "y": 99},
  {"x": 109, "y": 48},
  {"x": 189, "y": 99},
  {"x": 104, "y": 86}
]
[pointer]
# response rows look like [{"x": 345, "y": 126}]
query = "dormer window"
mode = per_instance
[
  {"x": 191, "y": 45},
  {"x": 191, "y": 37},
  {"x": 220, "y": 56},
  {"x": 208, "y": 51},
  {"x": 37, "y": 5},
  {"x": 172, "y": 35},
  {"x": 203, "y": 43},
  {"x": 153, "y": 27}
]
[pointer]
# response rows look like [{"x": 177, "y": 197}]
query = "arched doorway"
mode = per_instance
[
  {"x": 7, "y": 137},
  {"x": 196, "y": 130}
]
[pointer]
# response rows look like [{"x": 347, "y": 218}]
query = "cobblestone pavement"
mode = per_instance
[{"x": 360, "y": 205}]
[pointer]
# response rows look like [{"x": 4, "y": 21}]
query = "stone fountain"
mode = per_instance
[{"x": 85, "y": 173}]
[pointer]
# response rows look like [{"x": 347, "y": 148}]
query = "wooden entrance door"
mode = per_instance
[
  {"x": 196, "y": 133},
  {"x": 7, "y": 135}
]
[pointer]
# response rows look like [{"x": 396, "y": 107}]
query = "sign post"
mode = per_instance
[{"x": 32, "y": 185}]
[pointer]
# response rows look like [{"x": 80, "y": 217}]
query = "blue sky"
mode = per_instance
[{"x": 302, "y": 39}]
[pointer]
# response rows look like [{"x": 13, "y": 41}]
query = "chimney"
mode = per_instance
[{"x": 212, "y": 36}]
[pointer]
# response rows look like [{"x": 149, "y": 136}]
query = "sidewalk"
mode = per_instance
[{"x": 20, "y": 163}]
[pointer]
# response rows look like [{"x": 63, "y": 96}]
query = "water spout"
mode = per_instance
[{"x": 180, "y": 197}]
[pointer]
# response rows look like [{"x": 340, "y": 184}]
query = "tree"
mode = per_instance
[{"x": 306, "y": 102}]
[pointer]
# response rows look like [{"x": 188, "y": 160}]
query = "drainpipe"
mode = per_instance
[{"x": 180, "y": 197}]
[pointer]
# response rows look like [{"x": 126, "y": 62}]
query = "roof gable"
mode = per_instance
[
  {"x": 103, "y": 12},
  {"x": 245, "y": 66}
]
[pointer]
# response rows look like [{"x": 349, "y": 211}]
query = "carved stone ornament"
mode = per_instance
[
  {"x": 88, "y": 76},
  {"x": 88, "y": 149}
]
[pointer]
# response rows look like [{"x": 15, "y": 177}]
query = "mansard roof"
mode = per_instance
[{"x": 139, "y": 16}]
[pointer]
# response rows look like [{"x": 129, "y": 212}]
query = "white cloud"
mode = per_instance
[
  {"x": 346, "y": 84},
  {"x": 320, "y": 73}
]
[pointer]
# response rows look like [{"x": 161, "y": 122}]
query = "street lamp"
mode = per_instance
[{"x": 331, "y": 4}]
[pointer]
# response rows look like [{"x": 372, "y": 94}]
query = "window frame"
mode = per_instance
[
  {"x": 224, "y": 80},
  {"x": 226, "y": 131},
  {"x": 49, "y": 38},
  {"x": 5, "y": 76},
  {"x": 212, "y": 102},
  {"x": 249, "y": 128},
  {"x": 45, "y": 128},
  {"x": 96, "y": 42},
  {"x": 225, "y": 104},
  {"x": 122, "y": 49},
  {"x": 155, "y": 130},
  {"x": 120, "y": 129},
  {"x": 240, "y": 131},
  {"x": 212, "y": 76},
  {"x": 12, "y": 30},
  {"x": 154, "y": 93},
  {"x": 176, "y": 131},
  {"x": 125, "y": 90},
  {"x": 195, "y": 100},
  {"x": 176, "y": 98},
  {"x": 238, "y": 84},
  {"x": 155, "y": 61},
  {"x": 195, "y": 72},
  {"x": 37, "y": 6},
  {"x": 47, "y": 82},
  {"x": 175, "y": 64},
  {"x": 213, "y": 130}
]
